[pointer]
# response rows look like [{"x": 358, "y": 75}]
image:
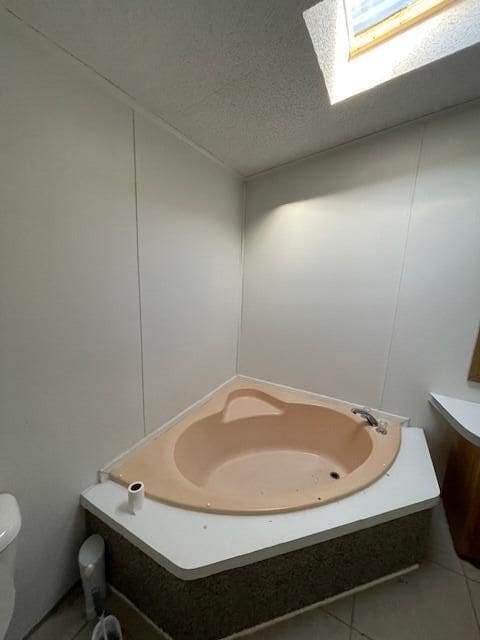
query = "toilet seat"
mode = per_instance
[
  {"x": 10, "y": 523},
  {"x": 7, "y": 588}
]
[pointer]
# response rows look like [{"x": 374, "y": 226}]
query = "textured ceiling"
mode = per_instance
[{"x": 239, "y": 77}]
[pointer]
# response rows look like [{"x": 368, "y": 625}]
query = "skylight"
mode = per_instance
[
  {"x": 372, "y": 21},
  {"x": 366, "y": 13},
  {"x": 454, "y": 28}
]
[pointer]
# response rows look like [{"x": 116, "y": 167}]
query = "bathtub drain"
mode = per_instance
[{"x": 334, "y": 475}]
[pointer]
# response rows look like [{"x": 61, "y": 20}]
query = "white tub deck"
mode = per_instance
[{"x": 193, "y": 544}]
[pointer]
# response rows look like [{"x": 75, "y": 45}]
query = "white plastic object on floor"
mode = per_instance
[
  {"x": 91, "y": 561},
  {"x": 107, "y": 628},
  {"x": 136, "y": 496}
]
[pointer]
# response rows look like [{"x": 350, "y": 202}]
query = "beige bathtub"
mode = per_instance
[{"x": 254, "y": 448}]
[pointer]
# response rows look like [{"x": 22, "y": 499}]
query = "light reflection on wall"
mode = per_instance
[{"x": 293, "y": 230}]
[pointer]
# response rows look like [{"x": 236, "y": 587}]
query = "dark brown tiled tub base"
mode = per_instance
[{"x": 222, "y": 604}]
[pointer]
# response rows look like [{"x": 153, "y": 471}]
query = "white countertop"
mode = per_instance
[
  {"x": 464, "y": 416},
  {"x": 192, "y": 544}
]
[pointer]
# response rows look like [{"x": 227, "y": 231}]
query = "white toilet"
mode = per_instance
[{"x": 10, "y": 523}]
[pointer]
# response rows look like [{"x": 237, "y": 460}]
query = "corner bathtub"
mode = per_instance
[{"x": 253, "y": 448}]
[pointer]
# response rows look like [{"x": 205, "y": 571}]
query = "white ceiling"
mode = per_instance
[{"x": 239, "y": 77}]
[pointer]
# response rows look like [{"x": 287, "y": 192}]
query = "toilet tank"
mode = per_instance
[{"x": 10, "y": 523}]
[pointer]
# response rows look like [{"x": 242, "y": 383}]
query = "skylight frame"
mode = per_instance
[{"x": 388, "y": 27}]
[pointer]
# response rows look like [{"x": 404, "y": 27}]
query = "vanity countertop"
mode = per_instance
[{"x": 464, "y": 416}]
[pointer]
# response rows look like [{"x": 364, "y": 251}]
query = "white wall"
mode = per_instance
[
  {"x": 69, "y": 334},
  {"x": 190, "y": 219},
  {"x": 361, "y": 281},
  {"x": 361, "y": 277},
  {"x": 70, "y": 343},
  {"x": 439, "y": 303}
]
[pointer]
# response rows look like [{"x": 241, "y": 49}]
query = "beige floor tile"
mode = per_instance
[
  {"x": 134, "y": 626},
  {"x": 440, "y": 548},
  {"x": 341, "y": 609},
  {"x": 68, "y": 622},
  {"x": 446, "y": 558},
  {"x": 311, "y": 625},
  {"x": 470, "y": 571},
  {"x": 429, "y": 604},
  {"x": 356, "y": 635},
  {"x": 65, "y": 622},
  {"x": 440, "y": 535},
  {"x": 474, "y": 588},
  {"x": 86, "y": 632}
]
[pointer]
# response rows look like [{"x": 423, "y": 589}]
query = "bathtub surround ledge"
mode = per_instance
[
  {"x": 104, "y": 472},
  {"x": 200, "y": 574},
  {"x": 194, "y": 544},
  {"x": 231, "y": 601}
]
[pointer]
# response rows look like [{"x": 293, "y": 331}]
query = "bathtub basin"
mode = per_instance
[{"x": 253, "y": 448}]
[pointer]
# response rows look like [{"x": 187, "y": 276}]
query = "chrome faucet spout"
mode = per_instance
[{"x": 372, "y": 421}]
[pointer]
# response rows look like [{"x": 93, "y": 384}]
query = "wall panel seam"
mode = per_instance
[
  {"x": 121, "y": 94},
  {"x": 402, "y": 268},
  {"x": 242, "y": 275},
  {"x": 139, "y": 277}
]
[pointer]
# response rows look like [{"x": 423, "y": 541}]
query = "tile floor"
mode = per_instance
[{"x": 440, "y": 601}]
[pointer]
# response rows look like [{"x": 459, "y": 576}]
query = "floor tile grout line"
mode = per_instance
[
  {"x": 352, "y": 616},
  {"x": 476, "y": 580},
  {"x": 74, "y": 594},
  {"x": 477, "y": 620},
  {"x": 442, "y": 566},
  {"x": 455, "y": 571},
  {"x": 463, "y": 563},
  {"x": 331, "y": 615},
  {"x": 364, "y": 635},
  {"x": 81, "y": 630}
]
